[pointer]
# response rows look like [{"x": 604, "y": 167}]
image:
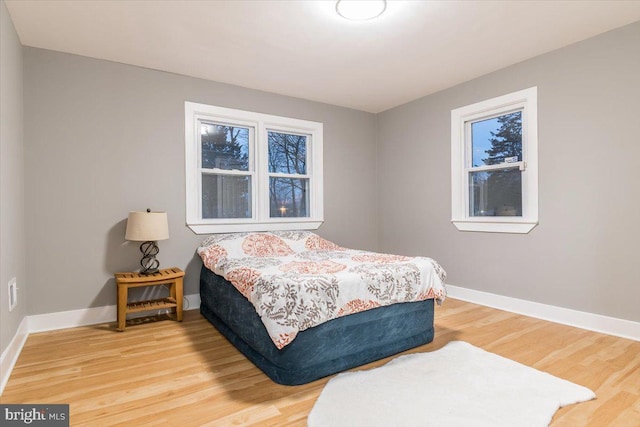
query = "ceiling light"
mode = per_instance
[{"x": 360, "y": 10}]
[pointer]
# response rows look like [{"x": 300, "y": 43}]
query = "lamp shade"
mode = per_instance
[{"x": 147, "y": 226}]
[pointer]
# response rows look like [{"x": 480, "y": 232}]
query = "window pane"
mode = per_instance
[
  {"x": 226, "y": 196},
  {"x": 224, "y": 147},
  {"x": 289, "y": 197},
  {"x": 287, "y": 153},
  {"x": 497, "y": 139},
  {"x": 495, "y": 193}
]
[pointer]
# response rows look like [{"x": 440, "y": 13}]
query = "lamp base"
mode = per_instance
[{"x": 149, "y": 262}]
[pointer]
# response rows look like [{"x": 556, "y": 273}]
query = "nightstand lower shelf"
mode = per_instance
[{"x": 155, "y": 304}]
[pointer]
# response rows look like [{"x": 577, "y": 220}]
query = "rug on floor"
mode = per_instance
[{"x": 457, "y": 385}]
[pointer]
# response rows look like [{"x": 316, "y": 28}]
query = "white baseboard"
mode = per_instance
[
  {"x": 90, "y": 316},
  {"x": 10, "y": 354},
  {"x": 72, "y": 318},
  {"x": 566, "y": 316},
  {"x": 63, "y": 320},
  {"x": 192, "y": 302}
]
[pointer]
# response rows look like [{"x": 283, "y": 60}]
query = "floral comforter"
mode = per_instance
[{"x": 297, "y": 280}]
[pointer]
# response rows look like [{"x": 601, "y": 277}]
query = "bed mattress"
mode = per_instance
[{"x": 322, "y": 350}]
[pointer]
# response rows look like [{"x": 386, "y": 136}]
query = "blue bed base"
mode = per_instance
[{"x": 331, "y": 347}]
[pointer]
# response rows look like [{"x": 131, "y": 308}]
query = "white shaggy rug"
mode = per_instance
[{"x": 457, "y": 385}]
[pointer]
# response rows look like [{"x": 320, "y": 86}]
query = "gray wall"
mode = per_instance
[
  {"x": 584, "y": 253},
  {"x": 12, "y": 235},
  {"x": 105, "y": 138}
]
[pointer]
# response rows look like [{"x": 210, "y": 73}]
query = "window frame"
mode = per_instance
[
  {"x": 258, "y": 170},
  {"x": 461, "y": 162}
]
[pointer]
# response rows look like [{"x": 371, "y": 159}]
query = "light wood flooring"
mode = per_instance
[{"x": 187, "y": 374}]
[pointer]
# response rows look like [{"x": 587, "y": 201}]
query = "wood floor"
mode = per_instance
[{"x": 187, "y": 374}]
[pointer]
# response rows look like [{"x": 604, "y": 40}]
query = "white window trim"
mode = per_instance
[
  {"x": 260, "y": 221},
  {"x": 526, "y": 100}
]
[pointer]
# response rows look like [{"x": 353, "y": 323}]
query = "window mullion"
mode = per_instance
[
  {"x": 288, "y": 175},
  {"x": 225, "y": 172},
  {"x": 501, "y": 166},
  {"x": 262, "y": 181}
]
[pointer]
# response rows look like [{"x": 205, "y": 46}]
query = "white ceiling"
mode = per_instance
[{"x": 304, "y": 49}]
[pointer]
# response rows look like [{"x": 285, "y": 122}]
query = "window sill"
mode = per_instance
[
  {"x": 307, "y": 224},
  {"x": 495, "y": 226}
]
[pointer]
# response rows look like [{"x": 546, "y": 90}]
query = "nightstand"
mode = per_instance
[{"x": 173, "y": 277}]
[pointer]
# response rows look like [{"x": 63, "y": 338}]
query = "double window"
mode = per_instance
[
  {"x": 248, "y": 171},
  {"x": 494, "y": 164}
]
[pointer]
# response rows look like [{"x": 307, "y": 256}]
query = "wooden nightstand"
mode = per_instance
[{"x": 168, "y": 276}]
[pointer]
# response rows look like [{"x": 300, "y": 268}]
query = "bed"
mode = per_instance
[{"x": 301, "y": 308}]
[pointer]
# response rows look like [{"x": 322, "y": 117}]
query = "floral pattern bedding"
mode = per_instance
[{"x": 297, "y": 280}]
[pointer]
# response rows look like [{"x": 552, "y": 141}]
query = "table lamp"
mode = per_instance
[{"x": 147, "y": 227}]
